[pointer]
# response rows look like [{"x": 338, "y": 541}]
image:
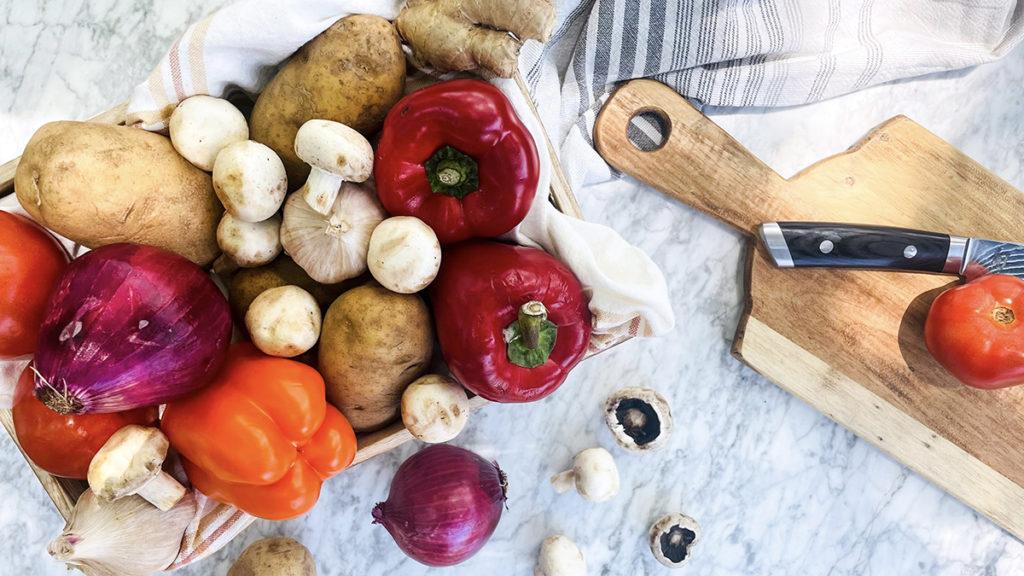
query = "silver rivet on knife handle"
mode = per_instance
[
  {"x": 775, "y": 242},
  {"x": 956, "y": 256}
]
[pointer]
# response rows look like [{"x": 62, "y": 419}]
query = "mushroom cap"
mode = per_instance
[
  {"x": 284, "y": 321},
  {"x": 129, "y": 459},
  {"x": 404, "y": 254},
  {"x": 201, "y": 126},
  {"x": 434, "y": 408},
  {"x": 249, "y": 244},
  {"x": 335, "y": 148},
  {"x": 597, "y": 476},
  {"x": 639, "y": 418},
  {"x": 672, "y": 537},
  {"x": 250, "y": 180},
  {"x": 559, "y": 556}
]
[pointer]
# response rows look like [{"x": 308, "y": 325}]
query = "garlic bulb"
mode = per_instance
[
  {"x": 126, "y": 537},
  {"x": 332, "y": 247}
]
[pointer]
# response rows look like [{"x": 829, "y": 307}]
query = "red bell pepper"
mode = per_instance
[
  {"x": 512, "y": 321},
  {"x": 456, "y": 156}
]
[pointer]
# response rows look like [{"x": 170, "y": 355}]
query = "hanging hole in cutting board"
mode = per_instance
[{"x": 648, "y": 129}]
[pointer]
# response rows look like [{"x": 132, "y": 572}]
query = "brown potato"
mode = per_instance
[
  {"x": 274, "y": 557},
  {"x": 352, "y": 73},
  {"x": 98, "y": 184},
  {"x": 248, "y": 283},
  {"x": 374, "y": 342}
]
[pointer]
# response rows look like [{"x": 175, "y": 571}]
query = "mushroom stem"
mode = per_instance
[
  {"x": 321, "y": 190},
  {"x": 531, "y": 319},
  {"x": 163, "y": 491},
  {"x": 594, "y": 475},
  {"x": 564, "y": 481},
  {"x": 224, "y": 265}
]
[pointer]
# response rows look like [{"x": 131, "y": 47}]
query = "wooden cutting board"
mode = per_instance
[{"x": 850, "y": 343}]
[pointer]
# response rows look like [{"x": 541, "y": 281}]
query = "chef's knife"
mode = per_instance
[{"x": 822, "y": 245}]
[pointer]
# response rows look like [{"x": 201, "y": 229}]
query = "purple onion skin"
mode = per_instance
[
  {"x": 444, "y": 504},
  {"x": 129, "y": 326}
]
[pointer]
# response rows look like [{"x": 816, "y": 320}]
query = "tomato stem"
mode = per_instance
[{"x": 1003, "y": 315}]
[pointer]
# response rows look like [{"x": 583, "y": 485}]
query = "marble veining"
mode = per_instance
[{"x": 777, "y": 487}]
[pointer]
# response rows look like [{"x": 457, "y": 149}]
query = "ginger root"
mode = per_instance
[{"x": 462, "y": 35}]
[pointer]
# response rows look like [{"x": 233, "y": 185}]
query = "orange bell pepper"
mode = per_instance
[{"x": 261, "y": 436}]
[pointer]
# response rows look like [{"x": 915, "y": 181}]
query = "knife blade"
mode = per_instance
[{"x": 831, "y": 245}]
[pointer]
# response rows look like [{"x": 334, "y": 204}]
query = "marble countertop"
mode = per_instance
[{"x": 776, "y": 487}]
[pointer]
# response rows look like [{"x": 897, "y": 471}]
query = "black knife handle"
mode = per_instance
[{"x": 817, "y": 244}]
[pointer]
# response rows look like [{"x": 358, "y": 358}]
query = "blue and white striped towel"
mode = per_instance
[{"x": 749, "y": 53}]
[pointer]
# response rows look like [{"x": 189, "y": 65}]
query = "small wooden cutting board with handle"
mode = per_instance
[{"x": 850, "y": 343}]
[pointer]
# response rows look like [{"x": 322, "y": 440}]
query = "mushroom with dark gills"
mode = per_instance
[
  {"x": 672, "y": 538},
  {"x": 639, "y": 418}
]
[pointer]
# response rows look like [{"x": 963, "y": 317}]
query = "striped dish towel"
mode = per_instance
[{"x": 748, "y": 53}]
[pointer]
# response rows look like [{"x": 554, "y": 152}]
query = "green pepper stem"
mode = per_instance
[
  {"x": 531, "y": 318},
  {"x": 452, "y": 173},
  {"x": 530, "y": 338}
]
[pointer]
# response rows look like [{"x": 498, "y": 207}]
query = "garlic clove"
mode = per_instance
[{"x": 125, "y": 537}]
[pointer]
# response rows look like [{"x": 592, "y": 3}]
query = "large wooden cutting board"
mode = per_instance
[{"x": 850, "y": 342}]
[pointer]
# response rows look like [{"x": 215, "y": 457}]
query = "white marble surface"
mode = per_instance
[{"x": 777, "y": 488}]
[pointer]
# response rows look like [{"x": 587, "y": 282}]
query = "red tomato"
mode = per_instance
[
  {"x": 976, "y": 331},
  {"x": 64, "y": 445},
  {"x": 31, "y": 261}
]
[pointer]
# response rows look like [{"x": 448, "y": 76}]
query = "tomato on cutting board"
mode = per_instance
[
  {"x": 31, "y": 261},
  {"x": 976, "y": 331},
  {"x": 64, "y": 445}
]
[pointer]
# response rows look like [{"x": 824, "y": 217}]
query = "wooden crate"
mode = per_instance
[{"x": 65, "y": 492}]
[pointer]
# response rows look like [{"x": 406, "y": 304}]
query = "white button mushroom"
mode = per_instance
[
  {"x": 202, "y": 126},
  {"x": 559, "y": 556},
  {"x": 335, "y": 154},
  {"x": 130, "y": 462},
  {"x": 404, "y": 254},
  {"x": 284, "y": 321},
  {"x": 434, "y": 408},
  {"x": 250, "y": 181},
  {"x": 672, "y": 537},
  {"x": 249, "y": 244},
  {"x": 594, "y": 475}
]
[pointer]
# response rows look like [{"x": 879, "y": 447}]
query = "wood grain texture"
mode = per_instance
[{"x": 843, "y": 339}]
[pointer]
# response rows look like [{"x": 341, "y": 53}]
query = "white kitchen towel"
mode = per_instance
[{"x": 747, "y": 53}]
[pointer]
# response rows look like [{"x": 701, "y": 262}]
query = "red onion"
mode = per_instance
[
  {"x": 443, "y": 505},
  {"x": 129, "y": 326}
]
